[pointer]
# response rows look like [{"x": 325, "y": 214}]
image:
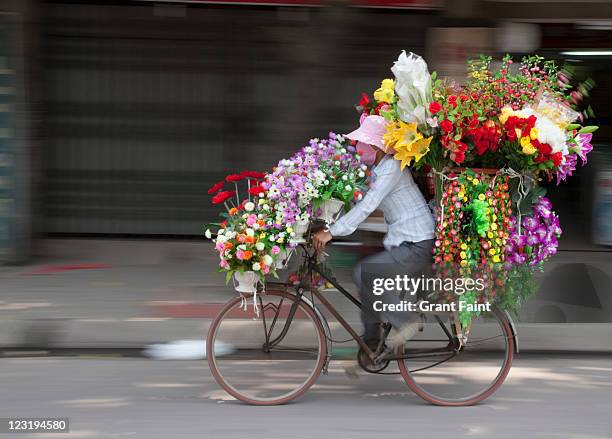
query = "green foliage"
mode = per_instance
[{"x": 519, "y": 286}]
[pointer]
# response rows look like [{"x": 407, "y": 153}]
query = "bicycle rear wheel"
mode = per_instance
[
  {"x": 276, "y": 356},
  {"x": 443, "y": 375}
]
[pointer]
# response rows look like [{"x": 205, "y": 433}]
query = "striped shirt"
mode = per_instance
[{"x": 395, "y": 193}]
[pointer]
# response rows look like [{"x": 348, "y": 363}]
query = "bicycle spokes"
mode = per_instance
[
  {"x": 276, "y": 354},
  {"x": 445, "y": 371}
]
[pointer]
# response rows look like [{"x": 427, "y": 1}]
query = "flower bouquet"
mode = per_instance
[
  {"x": 248, "y": 241},
  {"x": 318, "y": 181},
  {"x": 490, "y": 142}
]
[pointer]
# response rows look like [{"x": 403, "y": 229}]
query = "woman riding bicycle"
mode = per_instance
[{"x": 409, "y": 239}]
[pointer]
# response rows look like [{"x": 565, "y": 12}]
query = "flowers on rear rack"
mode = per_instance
[{"x": 523, "y": 123}]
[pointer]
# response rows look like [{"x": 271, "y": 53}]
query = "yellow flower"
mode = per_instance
[
  {"x": 496, "y": 258},
  {"x": 463, "y": 262},
  {"x": 407, "y": 143},
  {"x": 489, "y": 235},
  {"x": 400, "y": 133},
  {"x": 491, "y": 251},
  {"x": 475, "y": 181},
  {"x": 387, "y": 84},
  {"x": 534, "y": 133},
  {"x": 463, "y": 255},
  {"x": 463, "y": 246},
  {"x": 481, "y": 197},
  {"x": 493, "y": 226},
  {"x": 505, "y": 114},
  {"x": 528, "y": 147},
  {"x": 386, "y": 92}
]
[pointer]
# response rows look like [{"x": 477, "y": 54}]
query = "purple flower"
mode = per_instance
[
  {"x": 530, "y": 223},
  {"x": 566, "y": 168},
  {"x": 541, "y": 233},
  {"x": 584, "y": 141},
  {"x": 532, "y": 239},
  {"x": 519, "y": 240}
]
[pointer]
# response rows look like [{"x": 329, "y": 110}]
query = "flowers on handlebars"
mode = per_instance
[{"x": 248, "y": 238}]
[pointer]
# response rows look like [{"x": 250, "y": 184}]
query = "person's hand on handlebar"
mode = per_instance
[{"x": 320, "y": 239}]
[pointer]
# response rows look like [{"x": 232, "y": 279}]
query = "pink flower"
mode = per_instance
[
  {"x": 276, "y": 250},
  {"x": 223, "y": 264},
  {"x": 584, "y": 141},
  {"x": 219, "y": 246},
  {"x": 252, "y": 219},
  {"x": 240, "y": 255}
]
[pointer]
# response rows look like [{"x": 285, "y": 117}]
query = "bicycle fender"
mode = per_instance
[{"x": 514, "y": 332}]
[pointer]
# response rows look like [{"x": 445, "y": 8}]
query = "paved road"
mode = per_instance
[{"x": 545, "y": 397}]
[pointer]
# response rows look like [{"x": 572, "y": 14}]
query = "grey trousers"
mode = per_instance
[{"x": 409, "y": 258}]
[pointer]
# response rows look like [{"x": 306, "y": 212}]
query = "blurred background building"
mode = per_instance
[{"x": 116, "y": 116}]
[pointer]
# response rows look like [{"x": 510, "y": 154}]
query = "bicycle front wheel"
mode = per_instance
[
  {"x": 270, "y": 358},
  {"x": 440, "y": 372}
]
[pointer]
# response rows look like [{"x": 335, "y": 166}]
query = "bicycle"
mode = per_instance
[{"x": 284, "y": 344}]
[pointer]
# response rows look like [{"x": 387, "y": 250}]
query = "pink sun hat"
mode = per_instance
[{"x": 371, "y": 131}]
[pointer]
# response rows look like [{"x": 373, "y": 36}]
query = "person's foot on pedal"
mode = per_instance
[{"x": 404, "y": 334}]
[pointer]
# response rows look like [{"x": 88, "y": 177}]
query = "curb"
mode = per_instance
[{"x": 136, "y": 333}]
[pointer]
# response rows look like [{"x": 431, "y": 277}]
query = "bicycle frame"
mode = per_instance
[{"x": 312, "y": 266}]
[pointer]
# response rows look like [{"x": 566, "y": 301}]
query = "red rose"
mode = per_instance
[
  {"x": 461, "y": 146},
  {"x": 446, "y": 126},
  {"x": 365, "y": 100},
  {"x": 383, "y": 106},
  {"x": 531, "y": 121},
  {"x": 459, "y": 157},
  {"x": 434, "y": 107},
  {"x": 216, "y": 188},
  {"x": 222, "y": 197},
  {"x": 452, "y": 99},
  {"x": 473, "y": 123},
  {"x": 543, "y": 148},
  {"x": 233, "y": 178},
  {"x": 557, "y": 158},
  {"x": 463, "y": 98}
]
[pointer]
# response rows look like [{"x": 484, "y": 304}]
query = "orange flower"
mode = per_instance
[
  {"x": 261, "y": 223},
  {"x": 241, "y": 238},
  {"x": 228, "y": 245},
  {"x": 247, "y": 255},
  {"x": 233, "y": 211},
  {"x": 249, "y": 239}
]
